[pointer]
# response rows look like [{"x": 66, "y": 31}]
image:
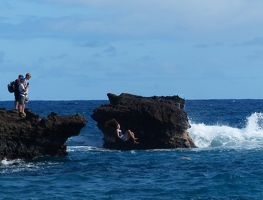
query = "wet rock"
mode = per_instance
[
  {"x": 158, "y": 121},
  {"x": 33, "y": 136}
]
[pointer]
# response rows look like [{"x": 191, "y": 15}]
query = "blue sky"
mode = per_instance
[{"x": 84, "y": 49}]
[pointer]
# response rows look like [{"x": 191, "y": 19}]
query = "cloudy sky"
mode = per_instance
[{"x": 84, "y": 49}]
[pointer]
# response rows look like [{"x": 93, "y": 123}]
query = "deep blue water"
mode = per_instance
[{"x": 227, "y": 165}]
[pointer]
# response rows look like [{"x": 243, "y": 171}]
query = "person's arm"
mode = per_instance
[
  {"x": 117, "y": 132},
  {"x": 25, "y": 88}
]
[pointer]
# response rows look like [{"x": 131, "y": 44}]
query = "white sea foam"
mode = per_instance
[
  {"x": 85, "y": 141},
  {"x": 220, "y": 135},
  {"x": 81, "y": 148},
  {"x": 10, "y": 162}
]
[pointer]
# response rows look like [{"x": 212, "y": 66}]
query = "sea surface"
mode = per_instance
[{"x": 227, "y": 165}]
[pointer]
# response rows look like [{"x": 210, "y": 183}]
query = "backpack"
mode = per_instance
[{"x": 11, "y": 87}]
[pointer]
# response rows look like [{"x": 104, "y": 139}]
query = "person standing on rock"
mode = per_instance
[
  {"x": 23, "y": 92},
  {"x": 17, "y": 93},
  {"x": 26, "y": 84}
]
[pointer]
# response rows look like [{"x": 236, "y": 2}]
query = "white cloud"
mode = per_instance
[
  {"x": 191, "y": 11},
  {"x": 96, "y": 41},
  {"x": 253, "y": 42},
  {"x": 117, "y": 19}
]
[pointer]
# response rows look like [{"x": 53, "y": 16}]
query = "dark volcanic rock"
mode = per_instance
[
  {"x": 158, "y": 122},
  {"x": 33, "y": 136}
]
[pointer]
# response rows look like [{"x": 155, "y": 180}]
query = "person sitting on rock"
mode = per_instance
[
  {"x": 127, "y": 135},
  {"x": 123, "y": 136}
]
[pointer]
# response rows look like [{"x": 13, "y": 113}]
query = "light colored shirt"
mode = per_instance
[{"x": 21, "y": 89}]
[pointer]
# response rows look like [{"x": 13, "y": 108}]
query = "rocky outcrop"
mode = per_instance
[
  {"x": 158, "y": 122},
  {"x": 33, "y": 136}
]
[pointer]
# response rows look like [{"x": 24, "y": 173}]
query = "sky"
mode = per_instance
[{"x": 84, "y": 49}]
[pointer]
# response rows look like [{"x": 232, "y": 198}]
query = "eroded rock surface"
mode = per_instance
[
  {"x": 158, "y": 121},
  {"x": 33, "y": 136}
]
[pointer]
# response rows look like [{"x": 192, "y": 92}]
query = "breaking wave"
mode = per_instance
[{"x": 222, "y": 135}]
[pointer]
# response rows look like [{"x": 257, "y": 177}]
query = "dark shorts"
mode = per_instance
[
  {"x": 17, "y": 96},
  {"x": 22, "y": 100}
]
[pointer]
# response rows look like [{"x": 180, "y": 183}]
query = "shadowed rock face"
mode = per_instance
[
  {"x": 158, "y": 122},
  {"x": 33, "y": 136}
]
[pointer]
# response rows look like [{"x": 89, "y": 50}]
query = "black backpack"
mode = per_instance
[{"x": 11, "y": 87}]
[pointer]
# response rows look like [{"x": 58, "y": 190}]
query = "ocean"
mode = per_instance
[{"x": 226, "y": 165}]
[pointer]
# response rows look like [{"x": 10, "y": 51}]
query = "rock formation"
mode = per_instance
[
  {"x": 158, "y": 122},
  {"x": 33, "y": 136}
]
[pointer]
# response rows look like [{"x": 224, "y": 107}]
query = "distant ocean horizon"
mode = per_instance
[{"x": 226, "y": 165}]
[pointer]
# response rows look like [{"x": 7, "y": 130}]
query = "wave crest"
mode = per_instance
[{"x": 222, "y": 135}]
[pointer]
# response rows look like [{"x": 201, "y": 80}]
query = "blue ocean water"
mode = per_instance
[{"x": 227, "y": 165}]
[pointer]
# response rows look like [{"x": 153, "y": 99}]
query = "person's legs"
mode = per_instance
[
  {"x": 16, "y": 105},
  {"x": 17, "y": 96},
  {"x": 22, "y": 106},
  {"x": 20, "y": 110},
  {"x": 129, "y": 134}
]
